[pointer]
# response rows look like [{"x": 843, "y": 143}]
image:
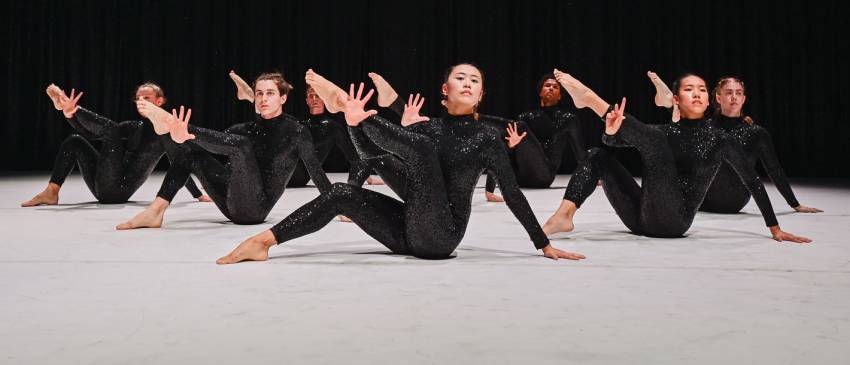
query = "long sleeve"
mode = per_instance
[
  {"x": 497, "y": 162},
  {"x": 307, "y": 153},
  {"x": 90, "y": 124},
  {"x": 397, "y": 106},
  {"x": 223, "y": 143},
  {"x": 767, "y": 155},
  {"x": 733, "y": 153},
  {"x": 398, "y": 140}
]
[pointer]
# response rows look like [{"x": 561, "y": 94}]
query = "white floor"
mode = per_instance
[{"x": 75, "y": 291}]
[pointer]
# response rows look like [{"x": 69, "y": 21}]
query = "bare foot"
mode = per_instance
[
  {"x": 493, "y": 197},
  {"x": 386, "y": 93},
  {"x": 558, "y": 223},
  {"x": 151, "y": 217},
  {"x": 55, "y": 94},
  {"x": 327, "y": 91},
  {"x": 255, "y": 248},
  {"x": 157, "y": 116},
  {"x": 374, "y": 181},
  {"x": 583, "y": 96},
  {"x": 343, "y": 218},
  {"x": 50, "y": 196},
  {"x": 243, "y": 90},
  {"x": 205, "y": 199},
  {"x": 562, "y": 220},
  {"x": 663, "y": 95}
]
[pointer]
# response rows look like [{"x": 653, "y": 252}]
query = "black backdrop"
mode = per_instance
[{"x": 791, "y": 56}]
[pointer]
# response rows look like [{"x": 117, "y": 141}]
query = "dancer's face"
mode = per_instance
[
  {"x": 463, "y": 90},
  {"x": 316, "y": 105},
  {"x": 149, "y": 94},
  {"x": 731, "y": 98},
  {"x": 692, "y": 97},
  {"x": 267, "y": 99},
  {"x": 550, "y": 93}
]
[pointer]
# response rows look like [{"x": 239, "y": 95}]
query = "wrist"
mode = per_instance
[{"x": 774, "y": 229}]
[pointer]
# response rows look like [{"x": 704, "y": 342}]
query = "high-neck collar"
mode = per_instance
[
  {"x": 690, "y": 123},
  {"x": 279, "y": 118},
  {"x": 460, "y": 118},
  {"x": 724, "y": 120}
]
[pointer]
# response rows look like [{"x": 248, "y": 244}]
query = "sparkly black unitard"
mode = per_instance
[
  {"x": 538, "y": 156},
  {"x": 329, "y": 131},
  {"x": 442, "y": 159},
  {"x": 727, "y": 194},
  {"x": 680, "y": 161},
  {"x": 128, "y": 154},
  {"x": 261, "y": 156}
]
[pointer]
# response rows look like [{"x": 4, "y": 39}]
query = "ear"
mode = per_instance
[
  {"x": 283, "y": 99},
  {"x": 676, "y": 99},
  {"x": 159, "y": 101},
  {"x": 743, "y": 99},
  {"x": 444, "y": 89},
  {"x": 717, "y": 98}
]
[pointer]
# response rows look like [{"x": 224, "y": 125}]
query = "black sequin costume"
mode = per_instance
[
  {"x": 680, "y": 161},
  {"x": 442, "y": 160},
  {"x": 128, "y": 154},
  {"x": 329, "y": 131},
  {"x": 261, "y": 156},
  {"x": 727, "y": 194},
  {"x": 538, "y": 156}
]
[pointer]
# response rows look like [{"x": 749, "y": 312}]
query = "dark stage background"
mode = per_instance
[{"x": 791, "y": 56}]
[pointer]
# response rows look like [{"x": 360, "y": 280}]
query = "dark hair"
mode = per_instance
[
  {"x": 544, "y": 78},
  {"x": 449, "y": 72},
  {"x": 452, "y": 68},
  {"x": 282, "y": 86},
  {"x": 157, "y": 90},
  {"x": 722, "y": 82},
  {"x": 678, "y": 82}
]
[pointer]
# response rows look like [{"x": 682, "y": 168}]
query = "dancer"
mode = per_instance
[
  {"x": 538, "y": 151},
  {"x": 128, "y": 154},
  {"x": 262, "y": 155},
  {"x": 680, "y": 161},
  {"x": 727, "y": 194},
  {"x": 327, "y": 131},
  {"x": 443, "y": 159},
  {"x": 388, "y": 98}
]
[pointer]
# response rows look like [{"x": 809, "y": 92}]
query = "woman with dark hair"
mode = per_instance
[
  {"x": 128, "y": 154},
  {"x": 727, "y": 194},
  {"x": 261, "y": 154},
  {"x": 443, "y": 159},
  {"x": 680, "y": 161}
]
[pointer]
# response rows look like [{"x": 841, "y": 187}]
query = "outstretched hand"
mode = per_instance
[
  {"x": 554, "y": 254},
  {"x": 779, "y": 235},
  {"x": 514, "y": 138},
  {"x": 353, "y": 105},
  {"x": 411, "y": 111},
  {"x": 804, "y": 209},
  {"x": 179, "y": 125},
  {"x": 68, "y": 105},
  {"x": 614, "y": 119}
]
